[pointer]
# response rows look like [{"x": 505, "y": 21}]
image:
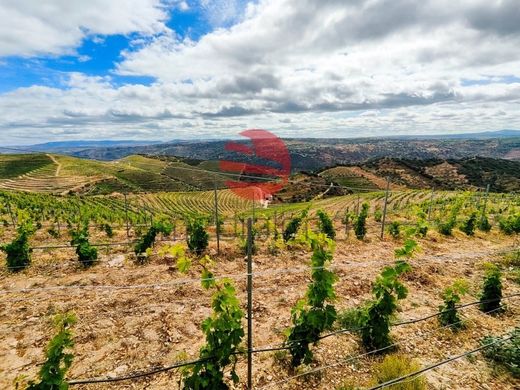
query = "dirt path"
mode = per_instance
[{"x": 58, "y": 168}]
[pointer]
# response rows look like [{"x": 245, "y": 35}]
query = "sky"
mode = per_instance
[{"x": 207, "y": 69}]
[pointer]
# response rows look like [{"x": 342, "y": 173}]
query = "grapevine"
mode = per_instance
[
  {"x": 18, "y": 251},
  {"x": 313, "y": 314},
  {"x": 52, "y": 373},
  {"x": 223, "y": 329},
  {"x": 325, "y": 224},
  {"x": 448, "y": 310},
  {"x": 360, "y": 228},
  {"x": 375, "y": 318},
  {"x": 87, "y": 254},
  {"x": 491, "y": 289}
]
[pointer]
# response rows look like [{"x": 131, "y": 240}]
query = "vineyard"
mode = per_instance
[{"x": 344, "y": 290}]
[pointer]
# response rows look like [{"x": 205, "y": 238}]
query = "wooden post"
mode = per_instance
[
  {"x": 13, "y": 219},
  {"x": 431, "y": 204},
  {"x": 217, "y": 227},
  {"x": 126, "y": 218},
  {"x": 384, "y": 208},
  {"x": 249, "y": 304},
  {"x": 485, "y": 204}
]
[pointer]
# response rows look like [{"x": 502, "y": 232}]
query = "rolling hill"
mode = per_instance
[
  {"x": 315, "y": 154},
  {"x": 469, "y": 173},
  {"x": 61, "y": 174}
]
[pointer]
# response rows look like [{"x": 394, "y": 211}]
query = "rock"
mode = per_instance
[
  {"x": 116, "y": 261},
  {"x": 119, "y": 370}
]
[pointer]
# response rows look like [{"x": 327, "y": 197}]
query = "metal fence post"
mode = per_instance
[
  {"x": 384, "y": 208},
  {"x": 249, "y": 304}
]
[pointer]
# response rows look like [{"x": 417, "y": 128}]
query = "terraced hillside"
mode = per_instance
[
  {"x": 60, "y": 174},
  {"x": 43, "y": 173},
  {"x": 470, "y": 173}
]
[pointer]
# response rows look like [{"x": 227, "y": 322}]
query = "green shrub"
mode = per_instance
[
  {"x": 468, "y": 226},
  {"x": 407, "y": 250},
  {"x": 312, "y": 315},
  {"x": 326, "y": 225},
  {"x": 360, "y": 226},
  {"x": 451, "y": 295},
  {"x": 394, "y": 229},
  {"x": 375, "y": 319},
  {"x": 378, "y": 215},
  {"x": 396, "y": 366},
  {"x": 491, "y": 290},
  {"x": 198, "y": 237},
  {"x": 53, "y": 371},
  {"x": 87, "y": 254},
  {"x": 148, "y": 239},
  {"x": 18, "y": 251},
  {"x": 446, "y": 228},
  {"x": 483, "y": 224},
  {"x": 293, "y": 226},
  {"x": 421, "y": 229},
  {"x": 506, "y": 353},
  {"x": 350, "y": 318},
  {"x": 108, "y": 230},
  {"x": 510, "y": 225}
]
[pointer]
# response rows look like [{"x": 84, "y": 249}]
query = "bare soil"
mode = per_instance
[{"x": 155, "y": 319}]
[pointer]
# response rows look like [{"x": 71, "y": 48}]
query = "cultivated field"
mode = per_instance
[{"x": 134, "y": 318}]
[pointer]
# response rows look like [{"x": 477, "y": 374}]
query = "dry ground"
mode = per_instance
[{"x": 157, "y": 316}]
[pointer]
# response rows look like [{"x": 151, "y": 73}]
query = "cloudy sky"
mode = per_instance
[{"x": 170, "y": 69}]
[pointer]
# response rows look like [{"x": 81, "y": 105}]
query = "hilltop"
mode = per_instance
[
  {"x": 315, "y": 154},
  {"x": 60, "y": 174},
  {"x": 469, "y": 173}
]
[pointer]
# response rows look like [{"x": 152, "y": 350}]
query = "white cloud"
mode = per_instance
[
  {"x": 55, "y": 27},
  {"x": 301, "y": 67}
]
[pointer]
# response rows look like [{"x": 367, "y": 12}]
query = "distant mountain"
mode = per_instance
[{"x": 482, "y": 135}]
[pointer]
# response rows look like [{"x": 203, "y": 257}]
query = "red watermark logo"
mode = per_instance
[{"x": 258, "y": 182}]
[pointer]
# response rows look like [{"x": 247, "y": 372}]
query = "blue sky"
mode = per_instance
[
  {"x": 96, "y": 56},
  {"x": 164, "y": 69}
]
